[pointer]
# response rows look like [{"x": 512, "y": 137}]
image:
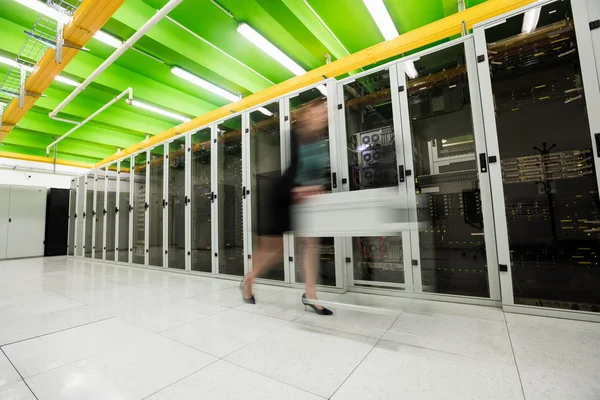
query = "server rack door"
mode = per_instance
[
  {"x": 443, "y": 127},
  {"x": 80, "y": 215},
  {"x": 201, "y": 200},
  {"x": 125, "y": 214},
  {"x": 72, "y": 217},
  {"x": 157, "y": 203},
  {"x": 230, "y": 197},
  {"x": 4, "y": 217},
  {"x": 261, "y": 196},
  {"x": 176, "y": 203},
  {"x": 111, "y": 211},
  {"x": 311, "y": 121},
  {"x": 140, "y": 207},
  {"x": 373, "y": 158},
  {"x": 100, "y": 212},
  {"x": 26, "y": 229},
  {"x": 89, "y": 215},
  {"x": 537, "y": 116}
]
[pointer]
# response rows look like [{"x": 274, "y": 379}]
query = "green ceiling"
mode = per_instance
[{"x": 289, "y": 24}]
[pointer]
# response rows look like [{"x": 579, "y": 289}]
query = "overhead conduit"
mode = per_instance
[
  {"x": 89, "y": 17},
  {"x": 438, "y": 30},
  {"x": 116, "y": 54}
]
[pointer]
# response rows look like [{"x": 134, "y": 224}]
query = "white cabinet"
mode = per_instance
[
  {"x": 4, "y": 207},
  {"x": 22, "y": 221}
]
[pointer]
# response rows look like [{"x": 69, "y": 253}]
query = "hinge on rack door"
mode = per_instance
[
  {"x": 595, "y": 24},
  {"x": 481, "y": 58}
]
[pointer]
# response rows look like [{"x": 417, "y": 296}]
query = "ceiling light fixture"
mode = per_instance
[
  {"x": 157, "y": 110},
  {"x": 196, "y": 80},
  {"x": 108, "y": 39},
  {"x": 269, "y": 48},
  {"x": 411, "y": 71},
  {"x": 45, "y": 10},
  {"x": 66, "y": 81},
  {"x": 265, "y": 112},
  {"x": 382, "y": 18},
  {"x": 531, "y": 19},
  {"x": 259, "y": 41}
]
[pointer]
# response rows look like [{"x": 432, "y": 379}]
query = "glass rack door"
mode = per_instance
[
  {"x": 72, "y": 216},
  {"x": 79, "y": 228},
  {"x": 124, "y": 215},
  {"x": 229, "y": 197},
  {"x": 89, "y": 216},
  {"x": 176, "y": 203},
  {"x": 100, "y": 212},
  {"x": 111, "y": 211},
  {"x": 450, "y": 248},
  {"x": 546, "y": 184},
  {"x": 202, "y": 198},
  {"x": 156, "y": 206},
  {"x": 265, "y": 174},
  {"x": 310, "y": 126},
  {"x": 140, "y": 206},
  {"x": 370, "y": 118}
]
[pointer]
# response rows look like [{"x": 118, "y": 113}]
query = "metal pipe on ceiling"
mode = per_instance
[
  {"x": 128, "y": 91},
  {"x": 117, "y": 53}
]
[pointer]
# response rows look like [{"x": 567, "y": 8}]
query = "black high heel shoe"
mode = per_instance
[
  {"x": 319, "y": 311},
  {"x": 250, "y": 300}
]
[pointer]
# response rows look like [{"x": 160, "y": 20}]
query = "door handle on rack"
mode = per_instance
[
  {"x": 334, "y": 180},
  {"x": 243, "y": 192},
  {"x": 597, "y": 137},
  {"x": 483, "y": 163},
  {"x": 401, "y": 173}
]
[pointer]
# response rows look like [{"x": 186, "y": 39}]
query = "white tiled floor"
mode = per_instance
[{"x": 81, "y": 330}]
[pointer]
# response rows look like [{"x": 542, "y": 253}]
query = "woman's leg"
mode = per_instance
[
  {"x": 311, "y": 265},
  {"x": 269, "y": 249}
]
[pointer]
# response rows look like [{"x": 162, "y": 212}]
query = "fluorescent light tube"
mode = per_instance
[
  {"x": 196, "y": 80},
  {"x": 382, "y": 18},
  {"x": 9, "y": 62},
  {"x": 66, "y": 81},
  {"x": 44, "y": 9},
  {"x": 411, "y": 71},
  {"x": 108, "y": 39},
  {"x": 265, "y": 112},
  {"x": 157, "y": 110},
  {"x": 531, "y": 19},
  {"x": 259, "y": 41}
]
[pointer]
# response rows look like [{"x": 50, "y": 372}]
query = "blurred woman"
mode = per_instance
[{"x": 305, "y": 177}]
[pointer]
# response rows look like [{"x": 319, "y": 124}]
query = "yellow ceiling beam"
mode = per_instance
[
  {"x": 415, "y": 39},
  {"x": 89, "y": 17},
  {"x": 46, "y": 160}
]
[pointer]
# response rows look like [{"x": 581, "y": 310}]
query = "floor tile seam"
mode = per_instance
[
  {"x": 19, "y": 372},
  {"x": 191, "y": 322},
  {"x": 257, "y": 339},
  {"x": 41, "y": 300},
  {"x": 51, "y": 312},
  {"x": 272, "y": 378},
  {"x": 111, "y": 348},
  {"x": 57, "y": 331},
  {"x": 182, "y": 378},
  {"x": 512, "y": 349},
  {"x": 188, "y": 346},
  {"x": 355, "y": 368},
  {"x": 34, "y": 316}
]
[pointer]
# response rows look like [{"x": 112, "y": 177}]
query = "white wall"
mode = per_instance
[{"x": 28, "y": 173}]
